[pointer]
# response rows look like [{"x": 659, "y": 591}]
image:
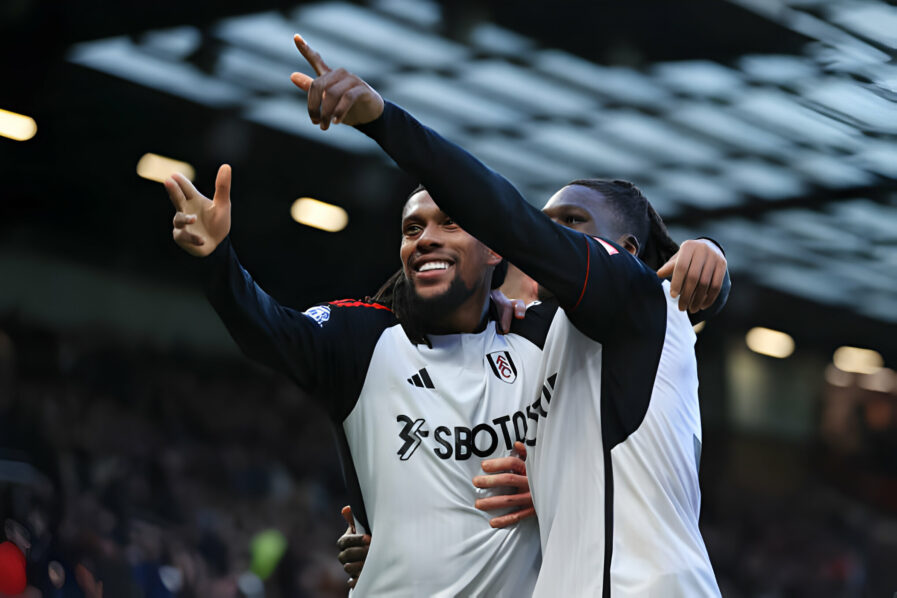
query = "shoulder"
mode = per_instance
[
  {"x": 534, "y": 327},
  {"x": 351, "y": 312},
  {"x": 349, "y": 303}
]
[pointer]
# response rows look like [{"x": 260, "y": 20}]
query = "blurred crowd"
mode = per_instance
[
  {"x": 127, "y": 471},
  {"x": 163, "y": 475}
]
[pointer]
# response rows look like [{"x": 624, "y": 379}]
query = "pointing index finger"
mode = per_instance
[
  {"x": 175, "y": 194},
  {"x": 313, "y": 58}
]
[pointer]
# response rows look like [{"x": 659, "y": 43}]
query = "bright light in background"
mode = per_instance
[
  {"x": 17, "y": 126},
  {"x": 319, "y": 214},
  {"x": 158, "y": 168},
  {"x": 837, "y": 377},
  {"x": 858, "y": 361},
  {"x": 769, "y": 342},
  {"x": 884, "y": 380}
]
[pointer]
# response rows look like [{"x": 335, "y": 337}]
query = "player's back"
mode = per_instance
[{"x": 620, "y": 508}]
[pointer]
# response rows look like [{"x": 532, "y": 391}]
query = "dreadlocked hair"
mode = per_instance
[
  {"x": 637, "y": 217},
  {"x": 395, "y": 294}
]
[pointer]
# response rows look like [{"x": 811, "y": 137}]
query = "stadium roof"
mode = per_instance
[{"x": 771, "y": 126}]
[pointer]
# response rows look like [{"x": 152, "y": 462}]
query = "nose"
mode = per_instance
[{"x": 430, "y": 238}]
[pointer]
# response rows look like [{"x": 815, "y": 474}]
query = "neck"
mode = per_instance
[{"x": 470, "y": 316}]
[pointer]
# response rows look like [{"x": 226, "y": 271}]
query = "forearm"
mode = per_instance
[
  {"x": 484, "y": 203},
  {"x": 261, "y": 327}
]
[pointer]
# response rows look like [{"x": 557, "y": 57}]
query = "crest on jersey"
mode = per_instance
[
  {"x": 502, "y": 366},
  {"x": 320, "y": 314}
]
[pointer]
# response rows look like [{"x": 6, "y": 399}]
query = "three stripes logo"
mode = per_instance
[
  {"x": 421, "y": 379},
  {"x": 502, "y": 366},
  {"x": 411, "y": 433}
]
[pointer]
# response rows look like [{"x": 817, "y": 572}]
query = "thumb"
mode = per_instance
[
  {"x": 346, "y": 512},
  {"x": 222, "y": 186},
  {"x": 667, "y": 269},
  {"x": 301, "y": 80}
]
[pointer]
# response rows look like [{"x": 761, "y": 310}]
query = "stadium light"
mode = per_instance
[
  {"x": 319, "y": 214},
  {"x": 884, "y": 380},
  {"x": 17, "y": 126},
  {"x": 857, "y": 361},
  {"x": 158, "y": 168},
  {"x": 772, "y": 343}
]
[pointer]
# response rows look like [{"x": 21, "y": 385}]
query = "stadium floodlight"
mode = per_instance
[
  {"x": 319, "y": 214},
  {"x": 158, "y": 168},
  {"x": 857, "y": 360},
  {"x": 772, "y": 343},
  {"x": 17, "y": 126}
]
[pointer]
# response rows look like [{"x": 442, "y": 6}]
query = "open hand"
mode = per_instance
[
  {"x": 506, "y": 472},
  {"x": 200, "y": 223},
  {"x": 697, "y": 271},
  {"x": 335, "y": 96}
]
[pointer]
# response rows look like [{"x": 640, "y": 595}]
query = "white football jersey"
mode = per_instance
[
  {"x": 413, "y": 424},
  {"x": 417, "y": 447},
  {"x": 614, "y": 425},
  {"x": 617, "y": 495}
]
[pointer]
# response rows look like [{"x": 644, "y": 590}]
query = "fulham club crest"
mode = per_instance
[{"x": 502, "y": 366}]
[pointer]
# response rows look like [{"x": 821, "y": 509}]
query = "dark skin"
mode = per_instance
[
  {"x": 587, "y": 211},
  {"x": 696, "y": 271},
  {"x": 353, "y": 548},
  {"x": 430, "y": 239}
]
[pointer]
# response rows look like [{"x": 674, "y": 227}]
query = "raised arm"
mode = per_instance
[
  {"x": 565, "y": 262},
  {"x": 308, "y": 347}
]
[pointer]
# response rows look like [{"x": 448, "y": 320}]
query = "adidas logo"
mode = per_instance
[{"x": 421, "y": 379}]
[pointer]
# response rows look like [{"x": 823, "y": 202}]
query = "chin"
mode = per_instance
[
  {"x": 436, "y": 300},
  {"x": 431, "y": 293}
]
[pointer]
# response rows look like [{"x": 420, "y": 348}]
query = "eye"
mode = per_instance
[
  {"x": 449, "y": 222},
  {"x": 412, "y": 229},
  {"x": 573, "y": 219}
]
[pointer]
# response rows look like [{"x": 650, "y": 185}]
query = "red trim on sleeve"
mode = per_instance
[
  {"x": 356, "y": 303},
  {"x": 585, "y": 283},
  {"x": 610, "y": 249}
]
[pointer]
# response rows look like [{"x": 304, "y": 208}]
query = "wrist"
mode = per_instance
[{"x": 713, "y": 244}]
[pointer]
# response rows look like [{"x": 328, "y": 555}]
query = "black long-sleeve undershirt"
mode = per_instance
[{"x": 591, "y": 279}]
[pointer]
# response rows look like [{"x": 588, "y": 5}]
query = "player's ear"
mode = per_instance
[
  {"x": 492, "y": 258},
  {"x": 629, "y": 243}
]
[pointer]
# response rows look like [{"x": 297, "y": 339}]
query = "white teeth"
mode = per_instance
[{"x": 433, "y": 266}]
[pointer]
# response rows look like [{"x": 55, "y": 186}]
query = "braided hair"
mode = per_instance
[{"x": 636, "y": 216}]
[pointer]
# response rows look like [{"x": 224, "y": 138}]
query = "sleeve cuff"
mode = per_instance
[
  {"x": 715, "y": 242},
  {"x": 375, "y": 128}
]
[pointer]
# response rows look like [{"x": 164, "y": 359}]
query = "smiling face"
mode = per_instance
[{"x": 440, "y": 260}]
